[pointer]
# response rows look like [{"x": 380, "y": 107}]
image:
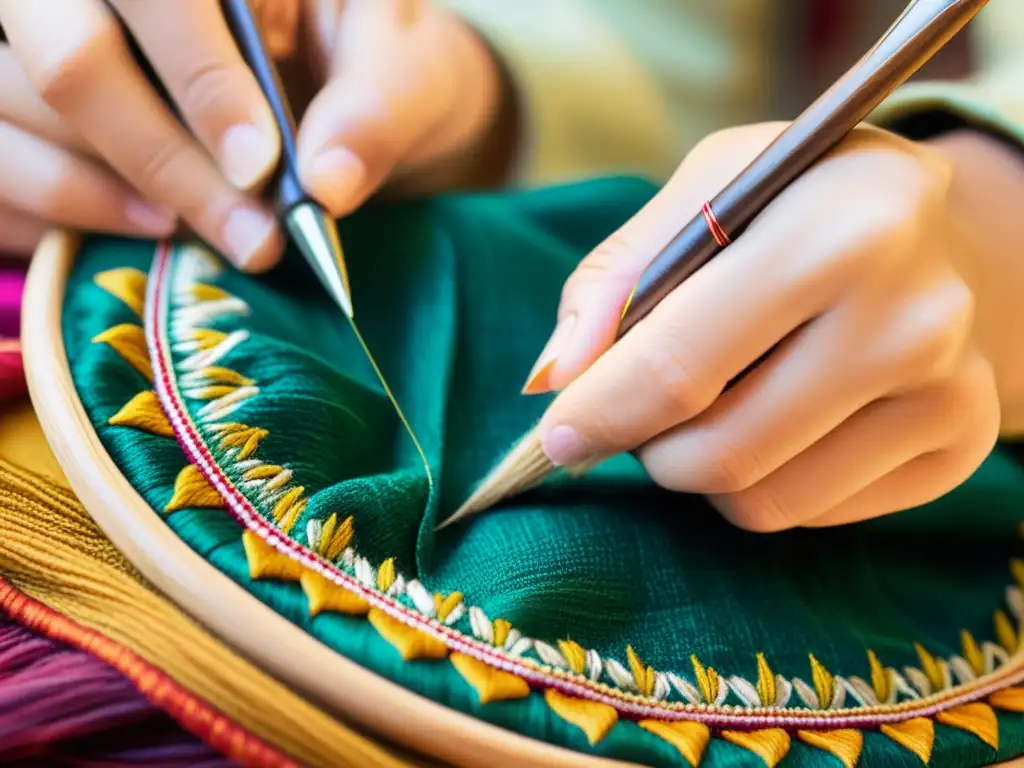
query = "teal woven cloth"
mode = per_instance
[{"x": 673, "y": 615}]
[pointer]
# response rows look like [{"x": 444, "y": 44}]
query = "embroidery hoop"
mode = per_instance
[{"x": 210, "y": 597}]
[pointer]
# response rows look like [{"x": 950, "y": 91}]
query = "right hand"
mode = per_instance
[{"x": 70, "y": 94}]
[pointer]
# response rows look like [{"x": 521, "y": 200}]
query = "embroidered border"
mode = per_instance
[{"x": 767, "y": 700}]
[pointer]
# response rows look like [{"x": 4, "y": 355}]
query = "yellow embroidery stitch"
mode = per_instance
[
  {"x": 386, "y": 575},
  {"x": 328, "y": 539},
  {"x": 824, "y": 683},
  {"x": 707, "y": 680},
  {"x": 491, "y": 684},
  {"x": 410, "y": 642},
  {"x": 129, "y": 341},
  {"x": 845, "y": 744},
  {"x": 324, "y": 596},
  {"x": 765, "y": 681},
  {"x": 592, "y": 717},
  {"x": 445, "y": 606},
  {"x": 288, "y": 508},
  {"x": 191, "y": 489},
  {"x": 502, "y": 631},
  {"x": 143, "y": 412},
  {"x": 1006, "y": 635},
  {"x": 879, "y": 679},
  {"x": 770, "y": 745},
  {"x": 1009, "y": 699},
  {"x": 976, "y": 718},
  {"x": 127, "y": 284},
  {"x": 1017, "y": 571},
  {"x": 204, "y": 292},
  {"x": 206, "y": 339},
  {"x": 265, "y": 562},
  {"x": 574, "y": 655},
  {"x": 643, "y": 675},
  {"x": 916, "y": 734},
  {"x": 933, "y": 669},
  {"x": 689, "y": 739}
]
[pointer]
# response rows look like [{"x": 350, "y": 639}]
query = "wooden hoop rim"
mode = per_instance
[{"x": 280, "y": 648}]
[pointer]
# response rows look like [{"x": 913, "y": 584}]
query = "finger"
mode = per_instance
[
  {"x": 676, "y": 362},
  {"x": 54, "y": 185},
  {"x": 782, "y": 273},
  {"x": 21, "y": 105},
  {"x": 75, "y": 56},
  {"x": 594, "y": 296},
  {"x": 809, "y": 385},
  {"x": 919, "y": 482},
  {"x": 279, "y": 20},
  {"x": 383, "y": 101},
  {"x": 19, "y": 232},
  {"x": 871, "y": 445},
  {"x": 191, "y": 48}
]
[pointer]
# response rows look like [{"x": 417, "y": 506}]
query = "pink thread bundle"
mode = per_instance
[
  {"x": 62, "y": 706},
  {"x": 12, "y": 285}
]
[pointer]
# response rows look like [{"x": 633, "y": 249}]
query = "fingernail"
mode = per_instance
[
  {"x": 247, "y": 233},
  {"x": 247, "y": 154},
  {"x": 564, "y": 447},
  {"x": 335, "y": 177},
  {"x": 537, "y": 382},
  {"x": 150, "y": 218}
]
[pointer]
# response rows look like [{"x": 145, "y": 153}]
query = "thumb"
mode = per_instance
[
  {"x": 595, "y": 294},
  {"x": 381, "y": 102}
]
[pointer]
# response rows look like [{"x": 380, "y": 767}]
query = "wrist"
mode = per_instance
[{"x": 986, "y": 216}]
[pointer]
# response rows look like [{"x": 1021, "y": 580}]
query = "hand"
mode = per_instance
[
  {"x": 412, "y": 95},
  {"x": 877, "y": 393},
  {"x": 52, "y": 177},
  {"x": 100, "y": 151}
]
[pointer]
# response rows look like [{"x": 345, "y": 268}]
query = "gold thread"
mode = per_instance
[{"x": 394, "y": 401}]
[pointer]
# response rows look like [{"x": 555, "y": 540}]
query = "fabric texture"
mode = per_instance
[{"x": 606, "y": 584}]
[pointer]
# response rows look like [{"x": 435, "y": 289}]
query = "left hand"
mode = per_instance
[{"x": 876, "y": 395}]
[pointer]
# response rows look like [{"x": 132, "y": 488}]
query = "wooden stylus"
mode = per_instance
[{"x": 916, "y": 36}]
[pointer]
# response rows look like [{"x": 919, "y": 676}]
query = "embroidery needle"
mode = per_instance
[
  {"x": 923, "y": 28},
  {"x": 312, "y": 229}
]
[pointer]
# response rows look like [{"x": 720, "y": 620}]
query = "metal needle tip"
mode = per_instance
[{"x": 316, "y": 235}]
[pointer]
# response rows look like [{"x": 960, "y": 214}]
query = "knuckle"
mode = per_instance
[
  {"x": 677, "y": 375},
  {"x": 155, "y": 161},
  {"x": 607, "y": 264},
  {"x": 208, "y": 84},
  {"x": 940, "y": 343},
  {"x": 729, "y": 467},
  {"x": 972, "y": 398},
  {"x": 63, "y": 70},
  {"x": 758, "y": 509},
  {"x": 56, "y": 200}
]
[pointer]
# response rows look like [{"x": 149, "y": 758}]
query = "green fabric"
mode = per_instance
[{"x": 456, "y": 297}]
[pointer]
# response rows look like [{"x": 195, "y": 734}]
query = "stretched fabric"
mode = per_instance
[{"x": 600, "y": 614}]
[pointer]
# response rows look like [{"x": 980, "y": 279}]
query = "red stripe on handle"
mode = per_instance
[{"x": 720, "y": 235}]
